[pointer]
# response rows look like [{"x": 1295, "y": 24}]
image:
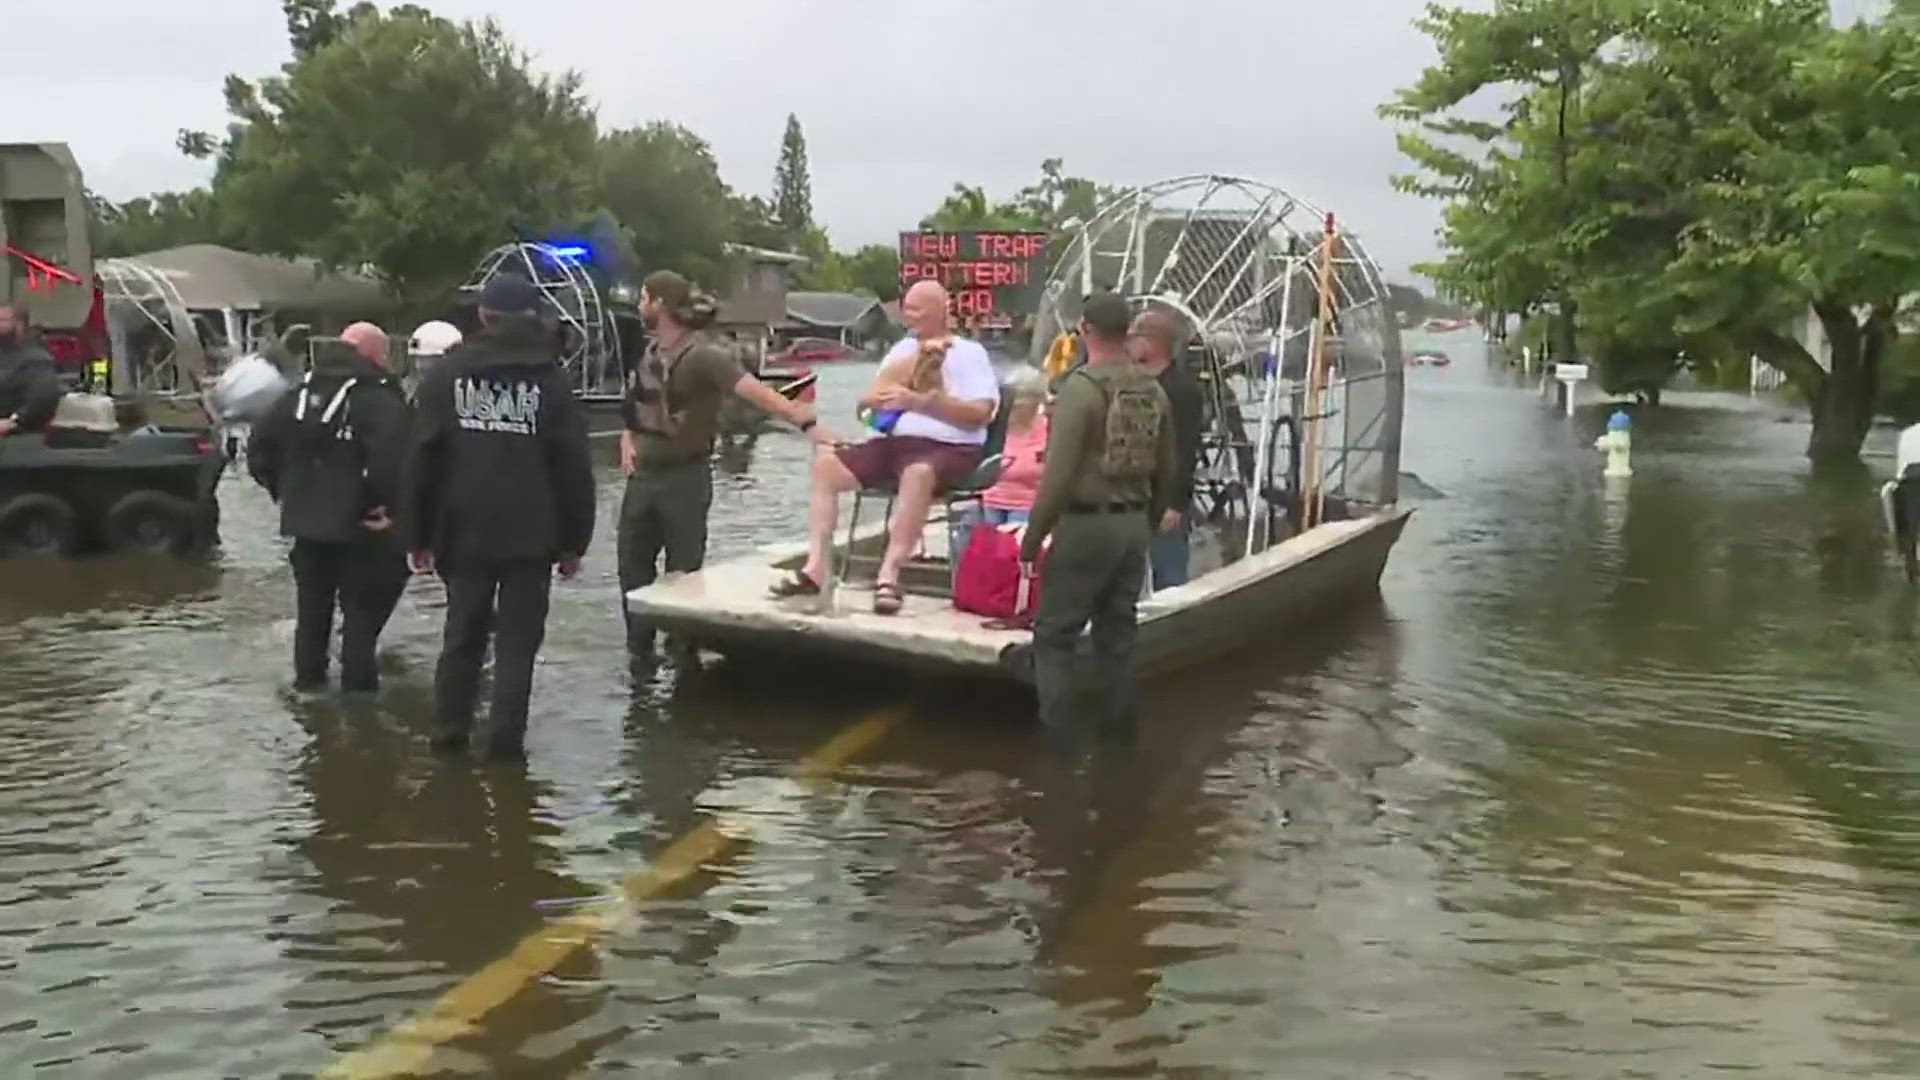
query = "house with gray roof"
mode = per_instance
[{"x": 849, "y": 318}]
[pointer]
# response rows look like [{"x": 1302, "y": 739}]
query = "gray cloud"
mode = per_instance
[{"x": 899, "y": 100}]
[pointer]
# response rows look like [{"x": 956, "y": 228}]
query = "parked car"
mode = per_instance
[{"x": 807, "y": 351}]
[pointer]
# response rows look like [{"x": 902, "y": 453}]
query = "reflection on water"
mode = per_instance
[{"x": 1614, "y": 779}]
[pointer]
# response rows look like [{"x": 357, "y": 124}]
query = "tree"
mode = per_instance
[
  {"x": 793, "y": 187},
  {"x": 153, "y": 222},
  {"x": 1729, "y": 167},
  {"x": 407, "y": 143},
  {"x": 875, "y": 269},
  {"x": 312, "y": 24},
  {"x": 969, "y": 208},
  {"x": 1546, "y": 49},
  {"x": 663, "y": 185}
]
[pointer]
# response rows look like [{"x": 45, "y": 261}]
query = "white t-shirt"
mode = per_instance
[
  {"x": 1906, "y": 452},
  {"x": 967, "y": 375}
]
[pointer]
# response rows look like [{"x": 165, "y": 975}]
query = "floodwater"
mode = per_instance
[{"x": 1611, "y": 781}]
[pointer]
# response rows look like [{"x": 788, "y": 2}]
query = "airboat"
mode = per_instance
[{"x": 1291, "y": 333}]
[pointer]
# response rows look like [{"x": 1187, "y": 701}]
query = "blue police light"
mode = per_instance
[{"x": 576, "y": 252}]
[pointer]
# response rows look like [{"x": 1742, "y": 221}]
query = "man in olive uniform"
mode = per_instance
[
  {"x": 670, "y": 416},
  {"x": 1108, "y": 479}
]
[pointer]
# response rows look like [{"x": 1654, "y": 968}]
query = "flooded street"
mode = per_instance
[{"x": 1611, "y": 781}]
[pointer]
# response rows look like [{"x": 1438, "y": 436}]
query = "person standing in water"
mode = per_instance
[
  {"x": 670, "y": 417},
  {"x": 498, "y": 495},
  {"x": 1107, "y": 480},
  {"x": 330, "y": 452}
]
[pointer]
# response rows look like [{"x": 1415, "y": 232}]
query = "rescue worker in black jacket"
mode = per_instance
[
  {"x": 498, "y": 493},
  {"x": 29, "y": 383},
  {"x": 330, "y": 453}
]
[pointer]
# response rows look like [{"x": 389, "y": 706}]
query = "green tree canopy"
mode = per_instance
[
  {"x": 153, "y": 222},
  {"x": 405, "y": 142},
  {"x": 1719, "y": 170},
  {"x": 662, "y": 184}
]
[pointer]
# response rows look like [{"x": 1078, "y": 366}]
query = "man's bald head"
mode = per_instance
[
  {"x": 368, "y": 340},
  {"x": 1156, "y": 335},
  {"x": 924, "y": 309}
]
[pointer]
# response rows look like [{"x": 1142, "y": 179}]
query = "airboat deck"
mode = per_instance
[{"x": 727, "y": 607}]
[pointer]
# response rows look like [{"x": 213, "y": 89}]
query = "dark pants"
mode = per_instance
[
  {"x": 1093, "y": 573},
  {"x": 506, "y": 601},
  {"x": 663, "y": 510},
  {"x": 364, "y": 580},
  {"x": 1904, "y": 505}
]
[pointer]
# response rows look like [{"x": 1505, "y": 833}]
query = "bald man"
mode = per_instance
[
  {"x": 932, "y": 401},
  {"x": 369, "y": 341},
  {"x": 330, "y": 453}
]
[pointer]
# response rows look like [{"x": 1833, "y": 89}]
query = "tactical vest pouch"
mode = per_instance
[{"x": 1131, "y": 448}]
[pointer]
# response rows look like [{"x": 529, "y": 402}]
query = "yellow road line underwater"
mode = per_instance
[{"x": 409, "y": 1048}]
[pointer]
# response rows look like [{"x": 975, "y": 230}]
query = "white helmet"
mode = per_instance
[{"x": 433, "y": 338}]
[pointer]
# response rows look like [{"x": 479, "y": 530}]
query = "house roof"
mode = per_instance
[
  {"x": 211, "y": 276},
  {"x": 830, "y": 308}
]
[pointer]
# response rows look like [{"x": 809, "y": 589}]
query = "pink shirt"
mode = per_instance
[{"x": 1019, "y": 481}]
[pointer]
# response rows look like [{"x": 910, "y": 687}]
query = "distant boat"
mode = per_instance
[{"x": 814, "y": 350}]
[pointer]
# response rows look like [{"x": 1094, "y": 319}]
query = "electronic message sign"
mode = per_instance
[{"x": 992, "y": 277}]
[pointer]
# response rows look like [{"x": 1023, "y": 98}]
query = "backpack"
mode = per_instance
[{"x": 1135, "y": 424}]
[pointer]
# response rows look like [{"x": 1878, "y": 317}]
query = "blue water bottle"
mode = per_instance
[{"x": 881, "y": 420}]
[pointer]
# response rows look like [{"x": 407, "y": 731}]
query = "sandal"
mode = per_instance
[
  {"x": 796, "y": 583},
  {"x": 887, "y": 598}
]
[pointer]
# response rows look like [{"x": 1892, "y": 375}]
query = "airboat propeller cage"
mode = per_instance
[
  {"x": 590, "y": 347},
  {"x": 1288, "y": 323}
]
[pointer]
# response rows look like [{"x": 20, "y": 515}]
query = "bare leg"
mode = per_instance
[
  {"x": 830, "y": 478},
  {"x": 910, "y": 509}
]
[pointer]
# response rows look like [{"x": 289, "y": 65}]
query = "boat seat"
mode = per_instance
[{"x": 953, "y": 498}]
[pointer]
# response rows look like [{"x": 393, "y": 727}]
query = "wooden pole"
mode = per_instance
[{"x": 1316, "y": 380}]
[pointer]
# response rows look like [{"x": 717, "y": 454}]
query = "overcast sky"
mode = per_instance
[{"x": 898, "y": 99}]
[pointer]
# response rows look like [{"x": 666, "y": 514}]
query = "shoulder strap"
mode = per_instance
[{"x": 333, "y": 405}]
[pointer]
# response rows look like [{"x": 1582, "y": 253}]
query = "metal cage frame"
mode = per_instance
[
  {"x": 1270, "y": 293},
  {"x": 591, "y": 348}
]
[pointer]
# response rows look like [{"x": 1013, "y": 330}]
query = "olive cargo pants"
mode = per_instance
[
  {"x": 1093, "y": 574},
  {"x": 663, "y": 510}
]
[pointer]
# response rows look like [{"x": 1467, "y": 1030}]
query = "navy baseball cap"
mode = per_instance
[{"x": 509, "y": 293}]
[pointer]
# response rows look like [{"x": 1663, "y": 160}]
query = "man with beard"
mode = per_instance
[
  {"x": 29, "y": 383},
  {"x": 330, "y": 454},
  {"x": 498, "y": 494},
  {"x": 671, "y": 414}
]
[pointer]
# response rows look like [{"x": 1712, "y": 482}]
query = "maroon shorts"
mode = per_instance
[{"x": 879, "y": 461}]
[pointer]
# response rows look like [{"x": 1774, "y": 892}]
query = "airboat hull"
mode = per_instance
[{"x": 726, "y": 607}]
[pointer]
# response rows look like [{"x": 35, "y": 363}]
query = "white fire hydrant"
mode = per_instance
[{"x": 1617, "y": 444}]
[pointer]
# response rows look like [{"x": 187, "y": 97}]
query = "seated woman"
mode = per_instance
[{"x": 1011, "y": 497}]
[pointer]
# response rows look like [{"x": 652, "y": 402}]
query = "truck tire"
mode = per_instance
[
  {"x": 37, "y": 525},
  {"x": 151, "y": 523}
]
